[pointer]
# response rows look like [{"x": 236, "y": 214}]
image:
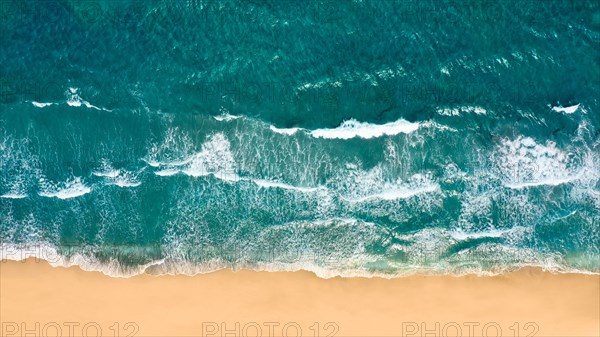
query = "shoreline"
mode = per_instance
[
  {"x": 158, "y": 267},
  {"x": 67, "y": 301}
]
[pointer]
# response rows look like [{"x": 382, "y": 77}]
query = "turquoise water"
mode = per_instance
[{"x": 342, "y": 137}]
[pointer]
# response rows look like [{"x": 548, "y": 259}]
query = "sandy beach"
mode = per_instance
[{"x": 37, "y": 299}]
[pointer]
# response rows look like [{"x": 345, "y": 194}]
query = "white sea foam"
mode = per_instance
[
  {"x": 117, "y": 177},
  {"x": 152, "y": 163},
  {"x": 74, "y": 100},
  {"x": 106, "y": 171},
  {"x": 567, "y": 110},
  {"x": 47, "y": 252},
  {"x": 460, "y": 110},
  {"x": 543, "y": 182},
  {"x": 398, "y": 193},
  {"x": 288, "y": 131},
  {"x": 126, "y": 183},
  {"x": 17, "y": 188},
  {"x": 41, "y": 105},
  {"x": 224, "y": 176},
  {"x": 524, "y": 163},
  {"x": 351, "y": 270},
  {"x": 422, "y": 245},
  {"x": 214, "y": 159},
  {"x": 426, "y": 250},
  {"x": 226, "y": 117},
  {"x": 108, "y": 174},
  {"x": 167, "y": 172},
  {"x": 125, "y": 179},
  {"x": 17, "y": 164},
  {"x": 386, "y": 72},
  {"x": 356, "y": 185},
  {"x": 273, "y": 184},
  {"x": 461, "y": 235},
  {"x": 233, "y": 177},
  {"x": 13, "y": 196},
  {"x": 176, "y": 149},
  {"x": 353, "y": 128},
  {"x": 68, "y": 193},
  {"x": 350, "y": 267},
  {"x": 182, "y": 162},
  {"x": 70, "y": 189}
]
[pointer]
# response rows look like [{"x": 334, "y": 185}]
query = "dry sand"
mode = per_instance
[{"x": 41, "y": 300}]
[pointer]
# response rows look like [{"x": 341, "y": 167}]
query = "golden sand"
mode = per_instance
[{"x": 37, "y": 299}]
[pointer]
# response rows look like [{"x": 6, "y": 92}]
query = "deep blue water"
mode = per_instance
[{"x": 343, "y": 137}]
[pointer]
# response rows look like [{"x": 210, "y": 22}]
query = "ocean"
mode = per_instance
[{"x": 347, "y": 138}]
